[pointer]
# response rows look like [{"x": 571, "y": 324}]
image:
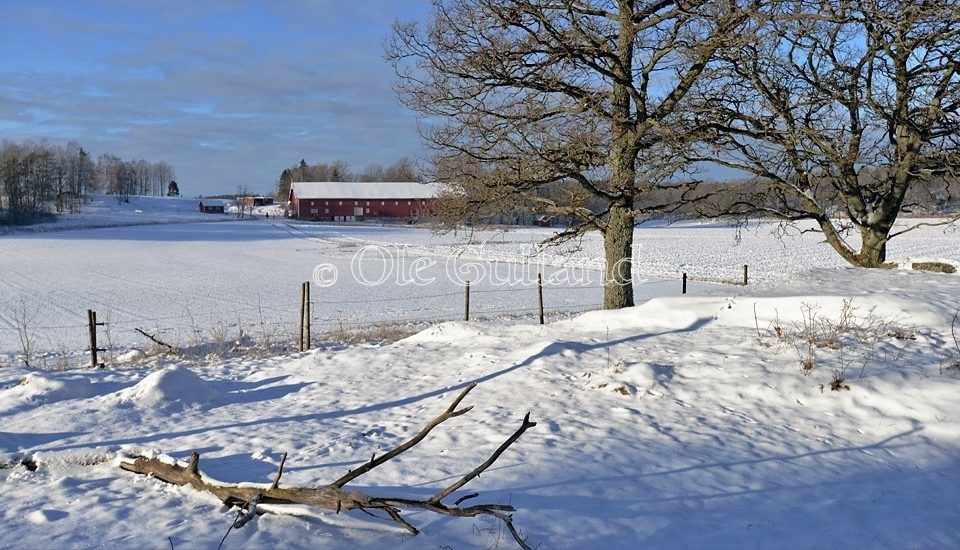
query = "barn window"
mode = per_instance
[
  {"x": 368, "y": 204},
  {"x": 383, "y": 203},
  {"x": 326, "y": 203},
  {"x": 408, "y": 203},
  {"x": 355, "y": 203},
  {"x": 313, "y": 210},
  {"x": 368, "y": 210},
  {"x": 340, "y": 203},
  {"x": 396, "y": 203},
  {"x": 326, "y": 210}
]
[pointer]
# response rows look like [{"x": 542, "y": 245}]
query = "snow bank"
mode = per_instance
[
  {"x": 453, "y": 331},
  {"x": 750, "y": 312},
  {"x": 41, "y": 388},
  {"x": 171, "y": 388},
  {"x": 660, "y": 313}
]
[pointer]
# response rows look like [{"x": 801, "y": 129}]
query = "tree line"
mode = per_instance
[
  {"x": 40, "y": 178},
  {"x": 841, "y": 113},
  {"x": 404, "y": 169}
]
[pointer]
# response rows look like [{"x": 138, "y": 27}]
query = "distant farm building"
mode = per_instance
[
  {"x": 211, "y": 208},
  {"x": 357, "y": 201},
  {"x": 256, "y": 201}
]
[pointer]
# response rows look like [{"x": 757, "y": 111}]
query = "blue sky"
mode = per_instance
[{"x": 228, "y": 91}]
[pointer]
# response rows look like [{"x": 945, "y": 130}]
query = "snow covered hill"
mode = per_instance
[
  {"x": 685, "y": 422},
  {"x": 111, "y": 211}
]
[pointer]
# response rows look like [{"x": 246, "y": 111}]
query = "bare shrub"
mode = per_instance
[
  {"x": 24, "y": 316},
  {"x": 107, "y": 331},
  {"x": 804, "y": 339},
  {"x": 220, "y": 336},
  {"x": 952, "y": 363},
  {"x": 847, "y": 343},
  {"x": 267, "y": 337},
  {"x": 375, "y": 334},
  {"x": 837, "y": 381},
  {"x": 195, "y": 338},
  {"x": 60, "y": 357}
]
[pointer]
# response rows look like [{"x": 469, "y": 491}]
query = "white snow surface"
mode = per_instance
[
  {"x": 170, "y": 388},
  {"x": 684, "y": 422},
  {"x": 111, "y": 211},
  {"x": 189, "y": 282}
]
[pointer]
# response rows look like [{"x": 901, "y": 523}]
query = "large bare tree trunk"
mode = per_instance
[
  {"x": 873, "y": 247},
  {"x": 873, "y": 250},
  {"x": 618, "y": 233},
  {"x": 618, "y": 250}
]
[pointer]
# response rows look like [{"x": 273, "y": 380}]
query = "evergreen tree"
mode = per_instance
[
  {"x": 283, "y": 187},
  {"x": 173, "y": 190},
  {"x": 302, "y": 176}
]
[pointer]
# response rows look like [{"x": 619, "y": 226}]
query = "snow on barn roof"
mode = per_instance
[{"x": 364, "y": 190}]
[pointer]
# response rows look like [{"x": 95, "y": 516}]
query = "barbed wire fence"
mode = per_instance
[{"x": 274, "y": 328}]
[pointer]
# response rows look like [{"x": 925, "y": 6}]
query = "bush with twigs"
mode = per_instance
[{"x": 844, "y": 345}]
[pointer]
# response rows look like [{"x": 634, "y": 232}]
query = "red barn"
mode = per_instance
[{"x": 356, "y": 201}]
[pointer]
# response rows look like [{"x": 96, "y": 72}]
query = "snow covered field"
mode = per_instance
[
  {"x": 667, "y": 425},
  {"x": 193, "y": 282},
  {"x": 109, "y": 211},
  {"x": 685, "y": 422}
]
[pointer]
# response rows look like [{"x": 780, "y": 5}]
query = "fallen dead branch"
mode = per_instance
[
  {"x": 333, "y": 496},
  {"x": 156, "y": 340}
]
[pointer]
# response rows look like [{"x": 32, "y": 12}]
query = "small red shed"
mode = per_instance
[{"x": 212, "y": 208}]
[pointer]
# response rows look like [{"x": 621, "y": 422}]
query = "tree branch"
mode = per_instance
[
  {"x": 451, "y": 412},
  {"x": 332, "y": 496}
]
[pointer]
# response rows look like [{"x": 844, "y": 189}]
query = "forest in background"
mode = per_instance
[{"x": 39, "y": 179}]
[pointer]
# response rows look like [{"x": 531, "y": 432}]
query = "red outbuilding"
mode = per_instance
[
  {"x": 357, "y": 201},
  {"x": 212, "y": 208}
]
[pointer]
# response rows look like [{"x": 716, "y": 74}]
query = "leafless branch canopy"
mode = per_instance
[
  {"x": 565, "y": 107},
  {"x": 842, "y": 109}
]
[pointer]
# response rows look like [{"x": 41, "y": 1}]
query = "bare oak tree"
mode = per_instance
[
  {"x": 841, "y": 108},
  {"x": 519, "y": 95}
]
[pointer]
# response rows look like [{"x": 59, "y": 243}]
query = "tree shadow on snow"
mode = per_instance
[
  {"x": 764, "y": 509},
  {"x": 549, "y": 350}
]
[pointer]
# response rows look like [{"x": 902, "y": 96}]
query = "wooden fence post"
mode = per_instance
[
  {"x": 684, "y": 283},
  {"x": 306, "y": 286},
  {"x": 303, "y": 302},
  {"x": 744, "y": 274},
  {"x": 466, "y": 302},
  {"x": 540, "y": 294},
  {"x": 92, "y": 324}
]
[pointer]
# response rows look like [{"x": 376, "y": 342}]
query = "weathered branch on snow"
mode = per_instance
[
  {"x": 155, "y": 339},
  {"x": 333, "y": 496}
]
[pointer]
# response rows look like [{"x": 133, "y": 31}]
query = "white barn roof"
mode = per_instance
[{"x": 364, "y": 190}]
